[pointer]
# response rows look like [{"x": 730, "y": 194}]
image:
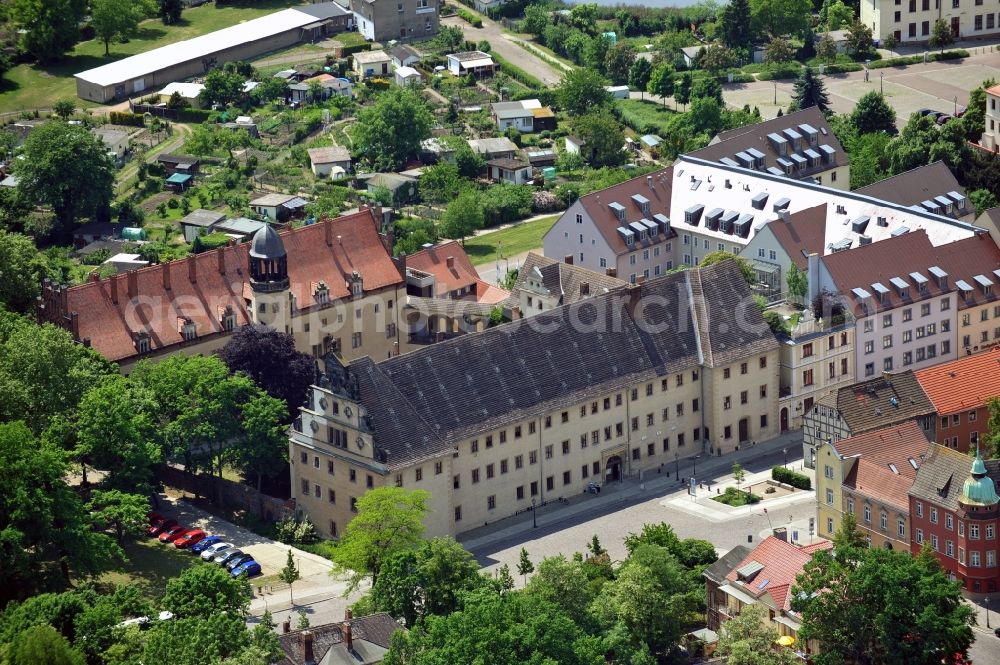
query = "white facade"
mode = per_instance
[
  {"x": 913, "y": 20},
  {"x": 991, "y": 131}
]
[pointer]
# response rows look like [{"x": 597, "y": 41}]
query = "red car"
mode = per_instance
[
  {"x": 153, "y": 517},
  {"x": 189, "y": 538},
  {"x": 172, "y": 534},
  {"x": 159, "y": 527}
]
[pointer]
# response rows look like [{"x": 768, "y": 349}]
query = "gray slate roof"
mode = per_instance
[
  {"x": 564, "y": 278},
  {"x": 717, "y": 571},
  {"x": 869, "y": 405},
  {"x": 328, "y": 640},
  {"x": 943, "y": 472},
  {"x": 423, "y": 403}
]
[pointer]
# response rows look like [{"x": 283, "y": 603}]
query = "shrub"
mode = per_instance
[
  {"x": 843, "y": 68},
  {"x": 734, "y": 497},
  {"x": 787, "y": 70},
  {"x": 470, "y": 18},
  {"x": 789, "y": 477},
  {"x": 518, "y": 74},
  {"x": 543, "y": 201},
  {"x": 127, "y": 119}
]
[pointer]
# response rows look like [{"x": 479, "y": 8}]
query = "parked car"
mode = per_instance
[
  {"x": 944, "y": 117},
  {"x": 215, "y": 550},
  {"x": 172, "y": 534},
  {"x": 159, "y": 527},
  {"x": 205, "y": 543},
  {"x": 237, "y": 560},
  {"x": 190, "y": 538},
  {"x": 224, "y": 557},
  {"x": 249, "y": 568},
  {"x": 930, "y": 112},
  {"x": 153, "y": 517}
]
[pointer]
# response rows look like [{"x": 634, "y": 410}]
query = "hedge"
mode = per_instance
[
  {"x": 127, "y": 119},
  {"x": 787, "y": 70},
  {"x": 917, "y": 59},
  {"x": 470, "y": 18},
  {"x": 518, "y": 74},
  {"x": 194, "y": 115},
  {"x": 346, "y": 51},
  {"x": 789, "y": 477},
  {"x": 842, "y": 68}
]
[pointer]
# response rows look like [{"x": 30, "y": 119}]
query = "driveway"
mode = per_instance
[{"x": 506, "y": 46}]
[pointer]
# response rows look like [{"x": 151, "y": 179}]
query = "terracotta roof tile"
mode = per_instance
[
  {"x": 805, "y": 231},
  {"x": 434, "y": 261},
  {"x": 876, "y": 481},
  {"x": 891, "y": 445},
  {"x": 962, "y": 384},
  {"x": 782, "y": 562}
]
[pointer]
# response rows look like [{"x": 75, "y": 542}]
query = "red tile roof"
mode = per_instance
[
  {"x": 894, "y": 445},
  {"x": 878, "y": 482},
  {"x": 596, "y": 204},
  {"x": 962, "y": 384},
  {"x": 782, "y": 562},
  {"x": 434, "y": 261},
  {"x": 913, "y": 252},
  {"x": 805, "y": 231},
  {"x": 220, "y": 279}
]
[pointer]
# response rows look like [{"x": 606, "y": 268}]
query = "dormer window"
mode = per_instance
[
  {"x": 187, "y": 329},
  {"x": 227, "y": 319},
  {"x": 322, "y": 293},
  {"x": 356, "y": 285},
  {"x": 142, "y": 342}
]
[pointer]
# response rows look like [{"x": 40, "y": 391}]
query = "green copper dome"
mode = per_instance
[{"x": 978, "y": 488}]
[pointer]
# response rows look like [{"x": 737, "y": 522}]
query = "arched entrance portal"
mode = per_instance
[
  {"x": 784, "y": 419},
  {"x": 613, "y": 470}
]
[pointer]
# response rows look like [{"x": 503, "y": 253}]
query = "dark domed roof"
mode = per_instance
[{"x": 266, "y": 244}]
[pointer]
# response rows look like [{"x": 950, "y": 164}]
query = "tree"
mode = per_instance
[
  {"x": 270, "y": 358},
  {"x": 940, "y": 35},
  {"x": 734, "y": 23},
  {"x": 717, "y": 58},
  {"x": 639, "y": 74},
  {"x": 581, "y": 90},
  {"x": 810, "y": 91},
  {"x": 222, "y": 86},
  {"x": 564, "y": 583},
  {"x": 798, "y": 283},
  {"x": 524, "y": 565},
  {"x": 707, "y": 88},
  {"x": 115, "y": 19},
  {"x": 170, "y": 11},
  {"x": 389, "y": 132},
  {"x": 847, "y": 606},
  {"x": 983, "y": 200},
  {"x": 869, "y": 159},
  {"x": 201, "y": 592},
  {"x": 23, "y": 270},
  {"x": 303, "y": 621},
  {"x": 42, "y": 645},
  {"x": 873, "y": 114},
  {"x": 51, "y": 27},
  {"x": 682, "y": 91},
  {"x": 207, "y": 641},
  {"x": 859, "y": 40},
  {"x": 618, "y": 62},
  {"x": 125, "y": 512},
  {"x": 262, "y": 449},
  {"x": 289, "y": 575},
  {"x": 923, "y": 142},
  {"x": 426, "y": 581},
  {"x": 595, "y": 546},
  {"x": 992, "y": 439},
  {"x": 271, "y": 88},
  {"x": 826, "y": 50},
  {"x": 536, "y": 19},
  {"x": 808, "y": 50},
  {"x": 463, "y": 217},
  {"x": 64, "y": 108},
  {"x": 780, "y": 17},
  {"x": 68, "y": 168},
  {"x": 661, "y": 81},
  {"x": 749, "y": 637},
  {"x": 746, "y": 268},
  {"x": 603, "y": 138},
  {"x": 837, "y": 15},
  {"x": 739, "y": 475},
  {"x": 468, "y": 162},
  {"x": 440, "y": 183},
  {"x": 388, "y": 520},
  {"x": 778, "y": 50},
  {"x": 975, "y": 115}
]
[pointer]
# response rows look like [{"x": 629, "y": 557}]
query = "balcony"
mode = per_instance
[{"x": 431, "y": 337}]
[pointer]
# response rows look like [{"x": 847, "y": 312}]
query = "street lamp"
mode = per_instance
[
  {"x": 881, "y": 79},
  {"x": 956, "y": 105},
  {"x": 987, "y": 602},
  {"x": 775, "y": 93},
  {"x": 534, "y": 523},
  {"x": 677, "y": 468},
  {"x": 784, "y": 451}
]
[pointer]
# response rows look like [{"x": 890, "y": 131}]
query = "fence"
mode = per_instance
[{"x": 234, "y": 495}]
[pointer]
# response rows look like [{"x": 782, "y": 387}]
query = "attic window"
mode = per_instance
[
  {"x": 322, "y": 293},
  {"x": 227, "y": 319},
  {"x": 188, "y": 330},
  {"x": 618, "y": 209},
  {"x": 142, "y": 342}
]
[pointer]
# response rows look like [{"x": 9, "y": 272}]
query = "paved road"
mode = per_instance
[{"x": 506, "y": 46}]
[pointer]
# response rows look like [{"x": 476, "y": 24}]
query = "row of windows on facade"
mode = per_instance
[
  {"x": 952, "y": 441},
  {"x": 949, "y": 522},
  {"x": 925, "y": 26},
  {"x": 807, "y": 374},
  {"x": 909, "y": 357},
  {"x": 907, "y": 336},
  {"x": 807, "y": 349},
  {"x": 925, "y": 310},
  {"x": 867, "y": 517},
  {"x": 949, "y": 550}
]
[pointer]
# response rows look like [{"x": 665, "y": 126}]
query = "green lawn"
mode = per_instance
[
  {"x": 150, "y": 565},
  {"x": 39, "y": 86},
  {"x": 736, "y": 498},
  {"x": 513, "y": 240},
  {"x": 641, "y": 114}
]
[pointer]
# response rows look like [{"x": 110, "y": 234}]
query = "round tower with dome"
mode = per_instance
[{"x": 269, "y": 278}]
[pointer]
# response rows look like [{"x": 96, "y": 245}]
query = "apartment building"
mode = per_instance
[
  {"x": 929, "y": 187},
  {"x": 799, "y": 145},
  {"x": 817, "y": 358},
  {"x": 868, "y": 476},
  {"x": 611, "y": 386},
  {"x": 959, "y": 391},
  {"x": 991, "y": 130},
  {"x": 332, "y": 285},
  {"x": 955, "y": 509},
  {"x": 544, "y": 284},
  {"x": 385, "y": 20},
  {"x": 913, "y": 20},
  {"x": 915, "y": 304},
  {"x": 868, "y": 405}
]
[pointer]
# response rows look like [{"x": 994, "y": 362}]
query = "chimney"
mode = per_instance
[
  {"x": 114, "y": 289},
  {"x": 348, "y": 638},
  {"x": 813, "y": 275},
  {"x": 340, "y": 240},
  {"x": 612, "y": 272},
  {"x": 640, "y": 279},
  {"x": 632, "y": 292},
  {"x": 133, "y": 284},
  {"x": 193, "y": 268},
  {"x": 348, "y": 614},
  {"x": 222, "y": 260},
  {"x": 74, "y": 322},
  {"x": 784, "y": 214},
  {"x": 308, "y": 656},
  {"x": 286, "y": 625},
  {"x": 450, "y": 262},
  {"x": 515, "y": 313},
  {"x": 568, "y": 259},
  {"x": 165, "y": 270},
  {"x": 401, "y": 264},
  {"x": 328, "y": 231},
  {"x": 584, "y": 288}
]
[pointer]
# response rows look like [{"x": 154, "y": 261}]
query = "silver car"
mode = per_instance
[{"x": 215, "y": 549}]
